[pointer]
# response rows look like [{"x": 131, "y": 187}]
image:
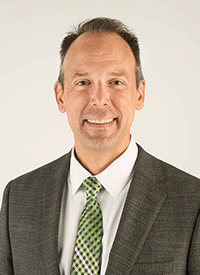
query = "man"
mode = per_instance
[{"x": 106, "y": 207}]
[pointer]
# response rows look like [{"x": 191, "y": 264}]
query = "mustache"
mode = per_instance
[{"x": 100, "y": 113}]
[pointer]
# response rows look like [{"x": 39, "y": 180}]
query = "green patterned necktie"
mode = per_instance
[{"x": 87, "y": 252}]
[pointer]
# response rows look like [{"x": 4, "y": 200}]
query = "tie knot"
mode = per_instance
[{"x": 92, "y": 186}]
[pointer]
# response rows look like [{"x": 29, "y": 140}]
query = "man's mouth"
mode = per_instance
[{"x": 102, "y": 121}]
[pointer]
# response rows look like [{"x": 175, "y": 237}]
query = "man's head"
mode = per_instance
[
  {"x": 101, "y": 25},
  {"x": 99, "y": 90}
]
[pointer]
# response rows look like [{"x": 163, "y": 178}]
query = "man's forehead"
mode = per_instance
[
  {"x": 107, "y": 52},
  {"x": 94, "y": 38},
  {"x": 98, "y": 43}
]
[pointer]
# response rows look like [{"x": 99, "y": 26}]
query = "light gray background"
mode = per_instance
[{"x": 33, "y": 132}]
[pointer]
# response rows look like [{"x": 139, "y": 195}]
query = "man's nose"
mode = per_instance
[{"x": 100, "y": 96}]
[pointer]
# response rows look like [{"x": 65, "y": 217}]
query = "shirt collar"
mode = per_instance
[{"x": 113, "y": 178}]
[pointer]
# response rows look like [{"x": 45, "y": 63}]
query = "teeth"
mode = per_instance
[{"x": 104, "y": 121}]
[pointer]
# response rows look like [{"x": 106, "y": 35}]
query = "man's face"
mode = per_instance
[{"x": 100, "y": 94}]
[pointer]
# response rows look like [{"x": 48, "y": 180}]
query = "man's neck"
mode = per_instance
[{"x": 95, "y": 161}]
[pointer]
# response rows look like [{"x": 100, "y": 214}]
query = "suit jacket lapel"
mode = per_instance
[
  {"x": 50, "y": 201},
  {"x": 143, "y": 204}
]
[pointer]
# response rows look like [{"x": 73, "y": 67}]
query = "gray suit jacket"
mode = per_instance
[{"x": 159, "y": 231}]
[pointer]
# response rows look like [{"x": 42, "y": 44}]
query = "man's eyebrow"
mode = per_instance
[
  {"x": 78, "y": 74},
  {"x": 120, "y": 73},
  {"x": 112, "y": 73}
]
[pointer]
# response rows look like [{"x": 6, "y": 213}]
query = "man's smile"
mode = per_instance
[{"x": 97, "y": 121}]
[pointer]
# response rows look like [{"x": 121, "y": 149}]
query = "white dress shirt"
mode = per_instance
[{"x": 115, "y": 180}]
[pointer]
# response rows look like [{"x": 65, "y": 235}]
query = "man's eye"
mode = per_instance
[
  {"x": 82, "y": 83},
  {"x": 117, "y": 82}
]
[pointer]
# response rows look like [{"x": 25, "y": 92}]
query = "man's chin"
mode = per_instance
[{"x": 99, "y": 143}]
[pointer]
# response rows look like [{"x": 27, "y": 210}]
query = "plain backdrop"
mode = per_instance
[{"x": 33, "y": 132}]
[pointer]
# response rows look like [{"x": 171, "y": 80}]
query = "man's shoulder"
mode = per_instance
[
  {"x": 158, "y": 176},
  {"x": 44, "y": 172},
  {"x": 171, "y": 172}
]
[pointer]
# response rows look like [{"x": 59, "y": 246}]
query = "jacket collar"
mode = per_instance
[
  {"x": 53, "y": 181},
  {"x": 143, "y": 203}
]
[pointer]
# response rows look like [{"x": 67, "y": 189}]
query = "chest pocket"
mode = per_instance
[{"x": 153, "y": 268}]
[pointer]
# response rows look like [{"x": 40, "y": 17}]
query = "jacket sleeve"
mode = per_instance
[
  {"x": 6, "y": 266},
  {"x": 194, "y": 254}
]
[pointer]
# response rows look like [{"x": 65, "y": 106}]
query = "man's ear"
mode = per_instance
[
  {"x": 60, "y": 97},
  {"x": 140, "y": 95}
]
